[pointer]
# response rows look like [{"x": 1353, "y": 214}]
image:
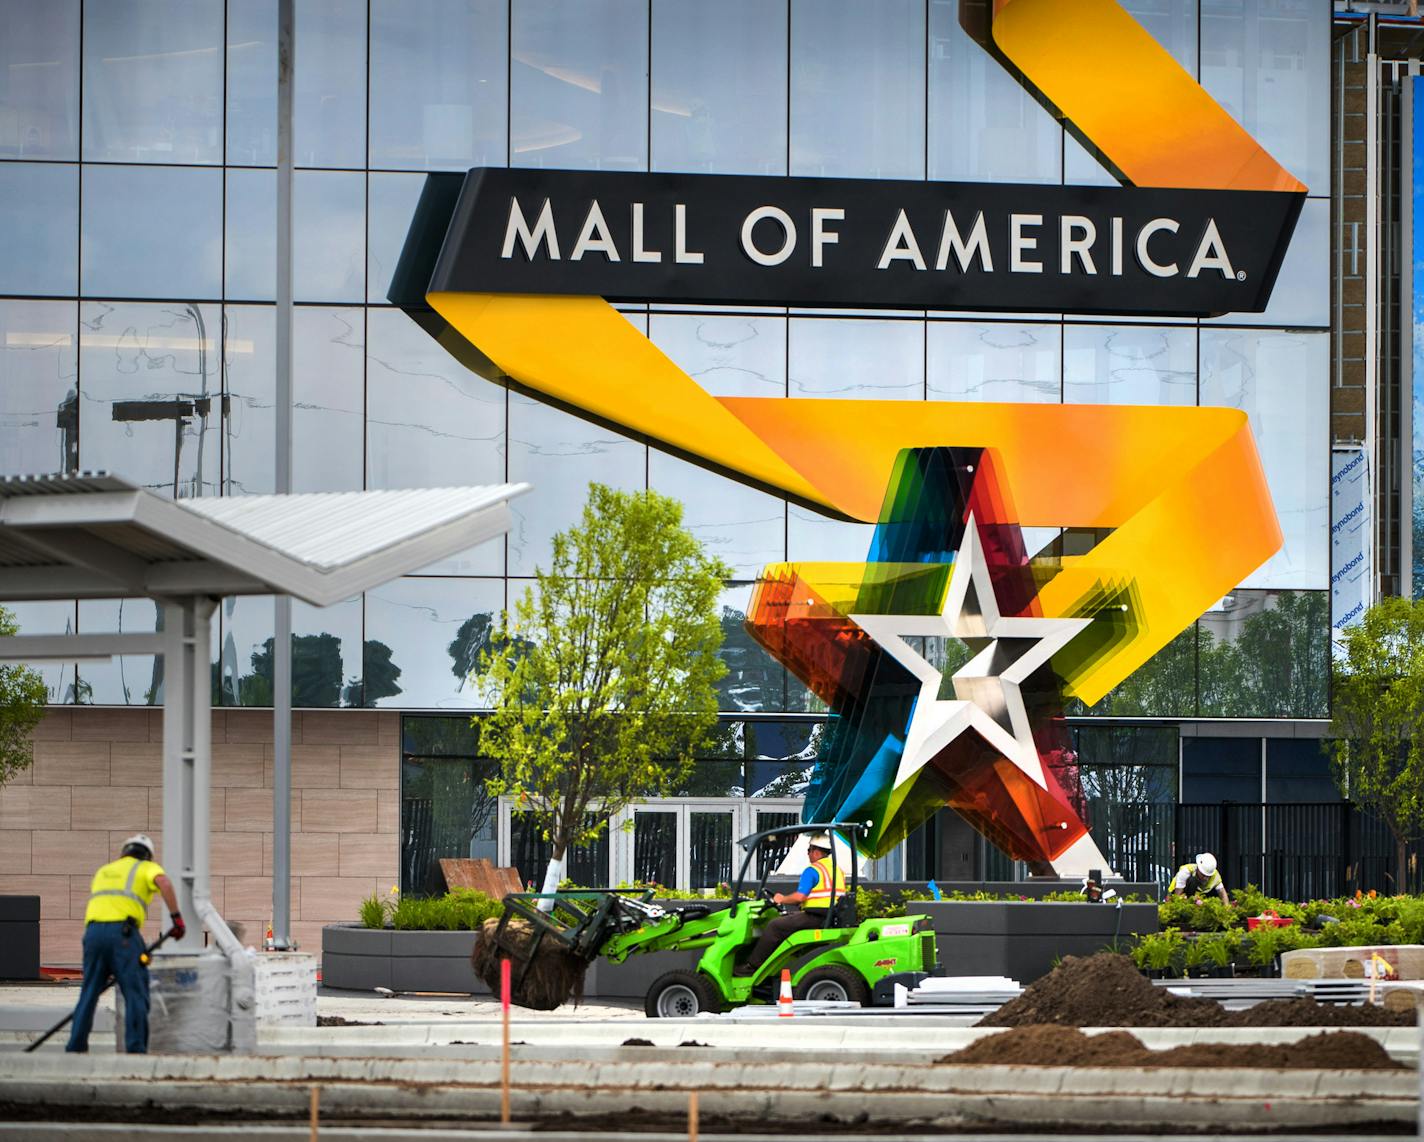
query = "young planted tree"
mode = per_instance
[
  {"x": 603, "y": 680},
  {"x": 1375, "y": 738},
  {"x": 22, "y": 703}
]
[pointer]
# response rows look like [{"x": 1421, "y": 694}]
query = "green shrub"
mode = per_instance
[
  {"x": 1159, "y": 951},
  {"x": 1219, "y": 948},
  {"x": 464, "y": 909},
  {"x": 373, "y": 912}
]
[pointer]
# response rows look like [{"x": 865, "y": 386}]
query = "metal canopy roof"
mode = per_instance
[{"x": 94, "y": 535}]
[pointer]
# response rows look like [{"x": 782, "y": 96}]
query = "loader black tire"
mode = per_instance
[
  {"x": 834, "y": 982},
  {"x": 681, "y": 995}
]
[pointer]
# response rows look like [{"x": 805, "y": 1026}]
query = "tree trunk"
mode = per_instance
[
  {"x": 1401, "y": 866},
  {"x": 553, "y": 874}
]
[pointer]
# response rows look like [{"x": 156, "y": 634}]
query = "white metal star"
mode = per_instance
[{"x": 988, "y": 689}]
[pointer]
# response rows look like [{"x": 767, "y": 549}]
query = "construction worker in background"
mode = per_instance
[
  {"x": 1199, "y": 878},
  {"x": 113, "y": 940},
  {"x": 818, "y": 886}
]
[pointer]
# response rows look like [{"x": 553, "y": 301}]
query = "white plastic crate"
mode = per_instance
[{"x": 285, "y": 986}]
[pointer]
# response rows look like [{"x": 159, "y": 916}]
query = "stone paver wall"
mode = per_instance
[{"x": 97, "y": 778}]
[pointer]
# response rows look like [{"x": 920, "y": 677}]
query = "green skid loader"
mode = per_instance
[{"x": 845, "y": 961}]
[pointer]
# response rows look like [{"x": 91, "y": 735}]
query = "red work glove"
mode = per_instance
[{"x": 179, "y": 928}]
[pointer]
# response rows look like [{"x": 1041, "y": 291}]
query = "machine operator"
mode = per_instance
[{"x": 818, "y": 886}]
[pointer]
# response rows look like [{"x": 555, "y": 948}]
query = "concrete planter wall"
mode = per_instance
[
  {"x": 19, "y": 937},
  {"x": 1020, "y": 939}
]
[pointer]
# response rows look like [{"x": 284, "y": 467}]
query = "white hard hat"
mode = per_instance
[
  {"x": 141, "y": 839},
  {"x": 819, "y": 841},
  {"x": 1206, "y": 863}
]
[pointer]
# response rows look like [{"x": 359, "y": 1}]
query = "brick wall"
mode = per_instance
[{"x": 97, "y": 778}]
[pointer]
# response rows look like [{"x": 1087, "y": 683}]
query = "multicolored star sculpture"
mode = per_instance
[{"x": 948, "y": 567}]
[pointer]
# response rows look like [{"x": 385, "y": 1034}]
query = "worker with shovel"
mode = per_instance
[{"x": 113, "y": 946}]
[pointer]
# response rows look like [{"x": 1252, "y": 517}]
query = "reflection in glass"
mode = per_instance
[
  {"x": 754, "y": 680},
  {"x": 1266, "y": 654},
  {"x": 984, "y": 126},
  {"x": 579, "y": 84},
  {"x": 719, "y": 86},
  {"x": 1269, "y": 66},
  {"x": 329, "y": 101},
  {"x": 434, "y": 736},
  {"x": 438, "y": 83},
  {"x": 1165, "y": 686},
  {"x": 1173, "y": 24},
  {"x": 245, "y": 644},
  {"x": 1129, "y": 364},
  {"x": 773, "y": 850},
  {"x": 328, "y": 235},
  {"x": 655, "y": 847},
  {"x": 1297, "y": 770},
  {"x": 39, "y": 398},
  {"x": 984, "y": 361},
  {"x": 39, "y": 228},
  {"x": 709, "y": 858},
  {"x": 125, "y": 679},
  {"x": 529, "y": 852},
  {"x": 1129, "y": 776},
  {"x": 741, "y": 525},
  {"x": 151, "y": 232},
  {"x": 39, "y": 96},
  {"x": 153, "y": 81},
  {"x": 858, "y": 88},
  {"x": 812, "y": 537},
  {"x": 1301, "y": 295},
  {"x": 856, "y": 358},
  {"x": 53, "y": 617},
  {"x": 329, "y": 399},
  {"x": 391, "y": 200},
  {"x": 445, "y": 812},
  {"x": 431, "y": 629},
  {"x": 151, "y": 397},
  {"x": 560, "y": 454},
  {"x": 1281, "y": 380},
  {"x": 729, "y": 356}
]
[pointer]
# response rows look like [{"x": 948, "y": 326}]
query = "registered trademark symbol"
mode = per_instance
[{"x": 1240, "y": 275}]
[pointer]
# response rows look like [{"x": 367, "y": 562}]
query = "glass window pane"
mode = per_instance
[
  {"x": 579, "y": 84},
  {"x": 151, "y": 394},
  {"x": 729, "y": 356},
  {"x": 245, "y": 653},
  {"x": 814, "y": 538},
  {"x": 559, "y": 454},
  {"x": 860, "y": 359},
  {"x": 39, "y": 79},
  {"x": 392, "y": 199},
  {"x": 52, "y": 617},
  {"x": 434, "y": 736},
  {"x": 328, "y": 399},
  {"x": 252, "y": 81},
  {"x": 153, "y": 81},
  {"x": 1297, "y": 769},
  {"x": 1282, "y": 380},
  {"x": 719, "y": 86},
  {"x": 39, "y": 228},
  {"x": 445, "y": 812},
  {"x": 1173, "y": 24},
  {"x": 1165, "y": 686},
  {"x": 1301, "y": 296},
  {"x": 439, "y": 78},
  {"x": 1221, "y": 769},
  {"x": 709, "y": 858},
  {"x": 745, "y": 527},
  {"x": 422, "y": 627},
  {"x": 328, "y": 235},
  {"x": 431, "y": 423},
  {"x": 858, "y": 88},
  {"x": 529, "y": 852},
  {"x": 1269, "y": 66},
  {"x": 1129, "y": 364},
  {"x": 39, "y": 399},
  {"x": 151, "y": 232},
  {"x": 655, "y": 847},
  {"x": 983, "y": 125},
  {"x": 125, "y": 679},
  {"x": 976, "y": 361},
  {"x": 1266, "y": 654},
  {"x": 754, "y": 681}
]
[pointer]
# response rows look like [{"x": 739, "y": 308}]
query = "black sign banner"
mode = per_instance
[{"x": 731, "y": 239}]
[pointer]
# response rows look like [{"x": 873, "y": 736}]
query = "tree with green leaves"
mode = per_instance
[
  {"x": 1375, "y": 740},
  {"x": 22, "y": 704},
  {"x": 603, "y": 681}
]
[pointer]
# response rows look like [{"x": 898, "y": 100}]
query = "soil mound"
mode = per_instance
[
  {"x": 553, "y": 978},
  {"x": 1107, "y": 991},
  {"x": 1103, "y": 991},
  {"x": 1049, "y": 1045}
]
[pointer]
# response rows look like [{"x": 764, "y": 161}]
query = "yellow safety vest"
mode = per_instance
[
  {"x": 121, "y": 890},
  {"x": 820, "y": 896}
]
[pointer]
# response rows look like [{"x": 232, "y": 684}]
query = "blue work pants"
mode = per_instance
[{"x": 112, "y": 950}]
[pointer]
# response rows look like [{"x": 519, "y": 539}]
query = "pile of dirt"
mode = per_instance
[
  {"x": 342, "y": 1021},
  {"x": 1103, "y": 991},
  {"x": 1107, "y": 991},
  {"x": 554, "y": 977},
  {"x": 1050, "y": 1045}
]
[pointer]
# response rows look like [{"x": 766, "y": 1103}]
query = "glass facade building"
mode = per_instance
[{"x": 137, "y": 327}]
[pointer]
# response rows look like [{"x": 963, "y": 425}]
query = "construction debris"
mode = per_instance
[{"x": 553, "y": 976}]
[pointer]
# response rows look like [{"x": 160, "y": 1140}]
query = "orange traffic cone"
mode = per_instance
[{"x": 786, "y": 1003}]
